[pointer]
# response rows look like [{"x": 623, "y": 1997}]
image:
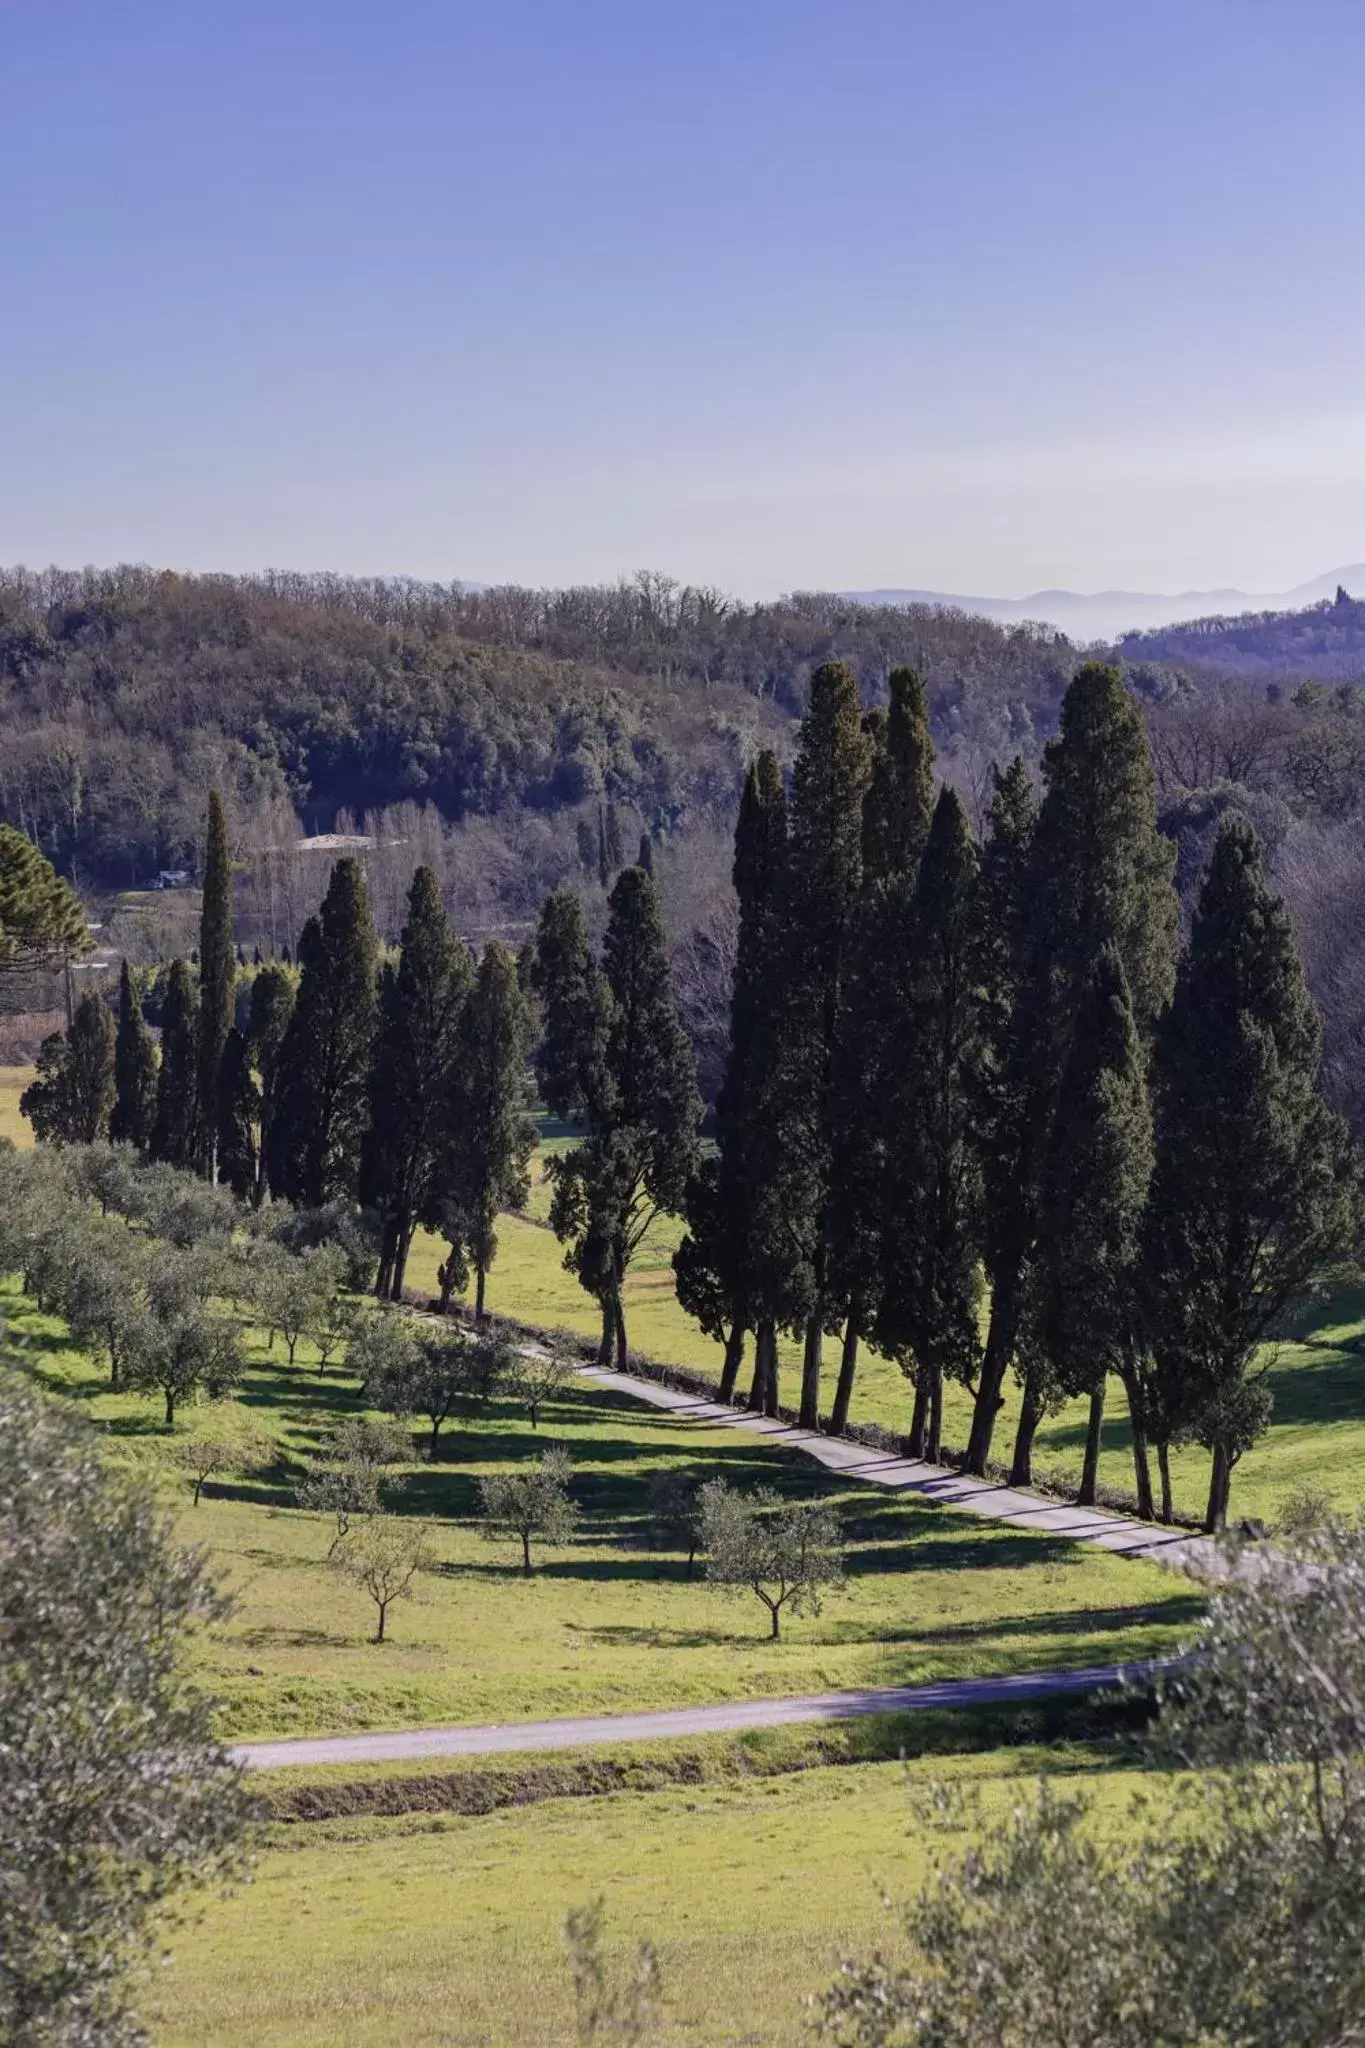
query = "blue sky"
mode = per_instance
[{"x": 980, "y": 295}]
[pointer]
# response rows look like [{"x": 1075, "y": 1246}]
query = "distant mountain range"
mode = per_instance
[{"x": 1106, "y": 614}]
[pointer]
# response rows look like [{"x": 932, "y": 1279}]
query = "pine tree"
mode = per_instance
[
  {"x": 819, "y": 926},
  {"x": 482, "y": 1171},
  {"x": 322, "y": 1106},
  {"x": 238, "y": 1113},
  {"x": 69, "y": 1101},
  {"x": 927, "y": 1310},
  {"x": 217, "y": 968},
  {"x": 1256, "y": 1189},
  {"x": 1094, "y": 1196},
  {"x": 1101, "y": 876},
  {"x": 40, "y": 915},
  {"x": 641, "y": 1104},
  {"x": 176, "y": 1128},
  {"x": 730, "y": 1265},
  {"x": 1003, "y": 1124},
  {"x": 897, "y": 810},
  {"x": 134, "y": 1111},
  {"x": 272, "y": 1006},
  {"x": 413, "y": 1076}
]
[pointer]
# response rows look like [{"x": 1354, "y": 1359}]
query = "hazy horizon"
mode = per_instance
[{"x": 871, "y": 296}]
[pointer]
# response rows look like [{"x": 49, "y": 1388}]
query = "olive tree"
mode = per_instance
[
  {"x": 1242, "y": 1924},
  {"x": 382, "y": 1554},
  {"x": 232, "y": 1452},
  {"x": 114, "y": 1791},
  {"x": 786, "y": 1553},
  {"x": 533, "y": 1502},
  {"x": 536, "y": 1377},
  {"x": 429, "y": 1369},
  {"x": 349, "y": 1485}
]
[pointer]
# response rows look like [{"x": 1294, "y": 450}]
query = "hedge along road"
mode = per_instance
[{"x": 852, "y": 1461}]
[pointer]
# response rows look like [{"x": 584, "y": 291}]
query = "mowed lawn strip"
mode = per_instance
[
  {"x": 448, "y": 1929},
  {"x": 608, "y": 1623}
]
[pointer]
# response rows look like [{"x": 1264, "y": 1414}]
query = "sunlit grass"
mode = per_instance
[
  {"x": 448, "y": 1930},
  {"x": 606, "y": 1623}
]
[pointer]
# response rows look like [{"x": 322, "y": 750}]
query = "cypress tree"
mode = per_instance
[
  {"x": 927, "y": 1312},
  {"x": 217, "y": 968},
  {"x": 482, "y": 1171},
  {"x": 238, "y": 1118},
  {"x": 1256, "y": 1190},
  {"x": 1101, "y": 877},
  {"x": 134, "y": 1111},
  {"x": 897, "y": 810},
  {"x": 413, "y": 1076},
  {"x": 641, "y": 1104},
  {"x": 645, "y": 857},
  {"x": 730, "y": 1265},
  {"x": 69, "y": 1101},
  {"x": 572, "y": 1047},
  {"x": 819, "y": 918},
  {"x": 175, "y": 1130},
  {"x": 1003, "y": 1122},
  {"x": 899, "y": 804},
  {"x": 272, "y": 1006},
  {"x": 322, "y": 1104},
  {"x": 1095, "y": 1185}
]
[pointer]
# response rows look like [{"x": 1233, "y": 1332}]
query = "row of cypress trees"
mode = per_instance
[
  {"x": 980, "y": 1110},
  {"x": 398, "y": 1084}
]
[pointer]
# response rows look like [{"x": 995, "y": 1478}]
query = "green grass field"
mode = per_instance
[
  {"x": 447, "y": 1930},
  {"x": 607, "y": 1623}
]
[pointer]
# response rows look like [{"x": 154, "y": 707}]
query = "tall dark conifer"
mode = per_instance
[
  {"x": 412, "y": 1084},
  {"x": 819, "y": 925},
  {"x": 322, "y": 1106},
  {"x": 481, "y": 1172},
  {"x": 134, "y": 1111},
  {"x": 897, "y": 810},
  {"x": 1094, "y": 1195},
  {"x": 239, "y": 1117},
  {"x": 927, "y": 1311},
  {"x": 641, "y": 1104},
  {"x": 272, "y": 1006},
  {"x": 1101, "y": 877},
  {"x": 730, "y": 1264},
  {"x": 69, "y": 1101},
  {"x": 175, "y": 1133},
  {"x": 1004, "y": 1125},
  {"x": 217, "y": 968},
  {"x": 1256, "y": 1190}
]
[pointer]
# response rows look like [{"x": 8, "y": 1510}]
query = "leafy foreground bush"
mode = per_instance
[
  {"x": 1239, "y": 1924},
  {"x": 113, "y": 1792}
]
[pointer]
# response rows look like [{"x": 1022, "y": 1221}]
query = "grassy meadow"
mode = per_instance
[
  {"x": 607, "y": 1623},
  {"x": 444, "y": 1929}
]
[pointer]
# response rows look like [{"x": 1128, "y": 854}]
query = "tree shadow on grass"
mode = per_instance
[{"x": 266, "y": 1637}]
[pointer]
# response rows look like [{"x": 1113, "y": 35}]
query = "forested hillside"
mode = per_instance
[
  {"x": 1324, "y": 642},
  {"x": 127, "y": 692}
]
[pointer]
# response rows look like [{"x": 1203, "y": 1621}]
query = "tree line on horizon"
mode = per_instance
[{"x": 980, "y": 1109}]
